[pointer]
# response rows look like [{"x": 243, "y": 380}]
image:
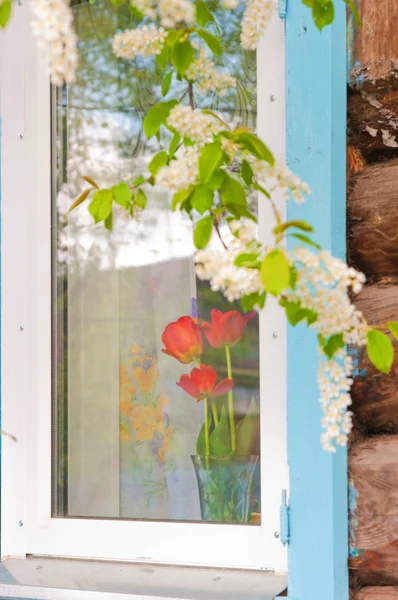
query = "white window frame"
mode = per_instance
[{"x": 26, "y": 523}]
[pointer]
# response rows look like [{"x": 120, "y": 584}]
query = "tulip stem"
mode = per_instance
[
  {"x": 207, "y": 438},
  {"x": 215, "y": 414},
  {"x": 231, "y": 402}
]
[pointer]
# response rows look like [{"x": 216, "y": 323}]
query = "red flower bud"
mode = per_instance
[
  {"x": 226, "y": 329},
  {"x": 201, "y": 383},
  {"x": 183, "y": 340}
]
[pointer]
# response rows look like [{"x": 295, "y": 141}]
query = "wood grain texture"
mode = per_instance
[
  {"x": 373, "y": 468},
  {"x": 372, "y": 219},
  {"x": 376, "y": 593},
  {"x": 375, "y": 395},
  {"x": 375, "y": 44}
]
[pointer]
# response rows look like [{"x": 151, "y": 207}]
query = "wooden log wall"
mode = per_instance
[{"x": 372, "y": 241}]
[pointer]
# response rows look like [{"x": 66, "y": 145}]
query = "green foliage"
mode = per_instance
[
  {"x": 250, "y": 301},
  {"x": 393, "y": 327},
  {"x": 182, "y": 56},
  {"x": 202, "y": 232},
  {"x": 202, "y": 198},
  {"x": 158, "y": 161},
  {"x": 5, "y": 12},
  {"x": 275, "y": 272},
  {"x": 220, "y": 444},
  {"x": 203, "y": 14},
  {"x": 380, "y": 350},
  {"x": 122, "y": 194},
  {"x": 211, "y": 40},
  {"x": 156, "y": 116},
  {"x": 248, "y": 431},
  {"x": 210, "y": 159},
  {"x": 101, "y": 205},
  {"x": 295, "y": 312},
  {"x": 166, "y": 83}
]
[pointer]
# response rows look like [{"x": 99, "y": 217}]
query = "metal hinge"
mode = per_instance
[
  {"x": 282, "y": 9},
  {"x": 285, "y": 520}
]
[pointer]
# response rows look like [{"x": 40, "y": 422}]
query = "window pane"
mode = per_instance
[{"x": 124, "y": 433}]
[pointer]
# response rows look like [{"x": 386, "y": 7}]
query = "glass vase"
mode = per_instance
[{"x": 224, "y": 485}]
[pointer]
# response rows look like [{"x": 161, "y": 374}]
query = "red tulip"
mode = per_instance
[
  {"x": 183, "y": 340},
  {"x": 201, "y": 383},
  {"x": 226, "y": 329}
]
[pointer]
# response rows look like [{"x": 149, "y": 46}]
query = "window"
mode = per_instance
[{"x": 107, "y": 440}]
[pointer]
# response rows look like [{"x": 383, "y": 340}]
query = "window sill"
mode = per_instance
[{"x": 66, "y": 579}]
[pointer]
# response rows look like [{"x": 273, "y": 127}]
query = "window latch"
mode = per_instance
[
  {"x": 284, "y": 520},
  {"x": 282, "y": 9}
]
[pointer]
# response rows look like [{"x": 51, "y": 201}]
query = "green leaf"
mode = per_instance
[
  {"x": 173, "y": 36},
  {"x": 393, "y": 327},
  {"x": 213, "y": 42},
  {"x": 122, "y": 194},
  {"x": 247, "y": 259},
  {"x": 232, "y": 192},
  {"x": 252, "y": 143},
  {"x": 275, "y": 272},
  {"x": 156, "y": 116},
  {"x": 322, "y": 13},
  {"x": 216, "y": 180},
  {"x": 202, "y": 198},
  {"x": 302, "y": 225},
  {"x": 175, "y": 142},
  {"x": 220, "y": 440},
  {"x": 80, "y": 199},
  {"x": 158, "y": 161},
  {"x": 101, "y": 205},
  {"x": 140, "y": 199},
  {"x": 138, "y": 180},
  {"x": 109, "y": 221},
  {"x": 202, "y": 232},
  {"x": 182, "y": 55},
  {"x": 380, "y": 350},
  {"x": 180, "y": 196},
  {"x": 248, "y": 431},
  {"x": 293, "y": 278},
  {"x": 247, "y": 173},
  {"x": 209, "y": 160},
  {"x": 354, "y": 11},
  {"x": 307, "y": 3},
  {"x": 333, "y": 343},
  {"x": 5, "y": 13},
  {"x": 163, "y": 57},
  {"x": 90, "y": 181},
  {"x": 249, "y": 301},
  {"x": 203, "y": 15},
  {"x": 306, "y": 240},
  {"x": 166, "y": 83}
]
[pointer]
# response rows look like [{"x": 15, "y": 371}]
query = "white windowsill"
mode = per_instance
[{"x": 66, "y": 579}]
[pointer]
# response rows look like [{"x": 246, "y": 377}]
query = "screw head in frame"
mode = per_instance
[
  {"x": 21, "y": 328},
  {"x": 272, "y": 98},
  {"x": 20, "y": 523},
  {"x": 276, "y": 535},
  {"x": 274, "y": 335},
  {"x": 21, "y": 136}
]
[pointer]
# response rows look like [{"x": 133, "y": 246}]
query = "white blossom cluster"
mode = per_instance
[
  {"x": 180, "y": 173},
  {"x": 207, "y": 77},
  {"x": 171, "y": 13},
  {"x": 334, "y": 381},
  {"x": 280, "y": 179},
  {"x": 217, "y": 266},
  {"x": 146, "y": 41},
  {"x": 256, "y": 18},
  {"x": 323, "y": 285},
  {"x": 194, "y": 123},
  {"x": 53, "y": 25}
]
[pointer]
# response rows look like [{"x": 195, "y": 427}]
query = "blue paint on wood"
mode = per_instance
[
  {"x": 353, "y": 505},
  {"x": 316, "y": 151}
]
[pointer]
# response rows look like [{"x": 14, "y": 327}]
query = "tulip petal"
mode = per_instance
[
  {"x": 188, "y": 386},
  {"x": 223, "y": 387},
  {"x": 211, "y": 338},
  {"x": 249, "y": 315},
  {"x": 204, "y": 378}
]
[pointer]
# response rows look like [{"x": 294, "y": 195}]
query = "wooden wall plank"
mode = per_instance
[
  {"x": 375, "y": 47},
  {"x": 372, "y": 219},
  {"x": 375, "y": 395},
  {"x": 373, "y": 468},
  {"x": 376, "y": 593}
]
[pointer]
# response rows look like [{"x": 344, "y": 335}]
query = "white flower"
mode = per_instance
[
  {"x": 217, "y": 266},
  {"x": 194, "y": 124},
  {"x": 171, "y": 13},
  {"x": 207, "y": 77},
  {"x": 146, "y": 41},
  {"x": 279, "y": 178},
  {"x": 180, "y": 173},
  {"x": 53, "y": 24},
  {"x": 256, "y": 18},
  {"x": 230, "y": 4}
]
